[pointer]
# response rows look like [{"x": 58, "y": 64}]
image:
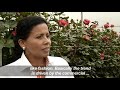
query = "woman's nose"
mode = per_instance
[{"x": 47, "y": 40}]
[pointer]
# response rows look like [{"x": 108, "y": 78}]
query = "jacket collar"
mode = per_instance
[{"x": 24, "y": 62}]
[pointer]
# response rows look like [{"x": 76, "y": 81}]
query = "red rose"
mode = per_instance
[
  {"x": 106, "y": 25},
  {"x": 102, "y": 56},
  {"x": 63, "y": 22},
  {"x": 86, "y": 21},
  {"x": 13, "y": 33}
]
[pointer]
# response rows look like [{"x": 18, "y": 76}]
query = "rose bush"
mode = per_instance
[
  {"x": 81, "y": 43},
  {"x": 88, "y": 46}
]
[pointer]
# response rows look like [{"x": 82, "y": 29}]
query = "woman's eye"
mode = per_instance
[
  {"x": 48, "y": 36},
  {"x": 39, "y": 37},
  {"x": 43, "y": 36}
]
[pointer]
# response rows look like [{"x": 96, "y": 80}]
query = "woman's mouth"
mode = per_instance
[{"x": 46, "y": 49}]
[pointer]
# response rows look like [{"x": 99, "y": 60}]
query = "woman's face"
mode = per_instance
[{"x": 38, "y": 43}]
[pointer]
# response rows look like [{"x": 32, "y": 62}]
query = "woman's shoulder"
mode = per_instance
[{"x": 57, "y": 60}]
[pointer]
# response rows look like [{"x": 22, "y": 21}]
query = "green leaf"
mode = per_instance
[{"x": 95, "y": 50}]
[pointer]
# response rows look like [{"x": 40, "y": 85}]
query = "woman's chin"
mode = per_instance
[{"x": 46, "y": 54}]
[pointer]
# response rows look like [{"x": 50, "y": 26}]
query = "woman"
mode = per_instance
[{"x": 32, "y": 45}]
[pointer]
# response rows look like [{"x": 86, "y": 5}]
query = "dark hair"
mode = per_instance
[{"x": 23, "y": 30}]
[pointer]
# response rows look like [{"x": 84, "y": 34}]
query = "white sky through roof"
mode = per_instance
[{"x": 101, "y": 17}]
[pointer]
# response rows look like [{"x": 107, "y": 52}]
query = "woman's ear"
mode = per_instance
[{"x": 21, "y": 43}]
